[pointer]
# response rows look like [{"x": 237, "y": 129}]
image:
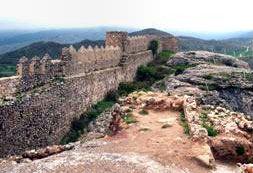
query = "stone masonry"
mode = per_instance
[{"x": 38, "y": 105}]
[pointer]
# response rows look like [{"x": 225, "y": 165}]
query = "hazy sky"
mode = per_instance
[{"x": 188, "y": 15}]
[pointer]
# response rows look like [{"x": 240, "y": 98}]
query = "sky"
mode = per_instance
[{"x": 184, "y": 15}]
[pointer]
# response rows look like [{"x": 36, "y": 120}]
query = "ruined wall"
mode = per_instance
[{"x": 59, "y": 91}]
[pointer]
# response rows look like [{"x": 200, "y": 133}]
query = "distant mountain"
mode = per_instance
[
  {"x": 151, "y": 31},
  {"x": 63, "y": 36},
  {"x": 40, "y": 49},
  {"x": 235, "y": 46},
  {"x": 247, "y": 35}
]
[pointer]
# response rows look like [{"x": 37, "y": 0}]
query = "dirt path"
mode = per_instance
[{"x": 169, "y": 146}]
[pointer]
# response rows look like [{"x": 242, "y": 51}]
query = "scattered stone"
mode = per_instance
[
  {"x": 167, "y": 126},
  {"x": 205, "y": 160}
]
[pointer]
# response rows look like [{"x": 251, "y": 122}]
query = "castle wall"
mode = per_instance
[
  {"x": 50, "y": 94},
  {"x": 137, "y": 44},
  {"x": 8, "y": 86},
  {"x": 44, "y": 114},
  {"x": 90, "y": 59},
  {"x": 169, "y": 43}
]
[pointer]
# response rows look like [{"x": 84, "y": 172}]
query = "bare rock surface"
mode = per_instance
[{"x": 215, "y": 79}]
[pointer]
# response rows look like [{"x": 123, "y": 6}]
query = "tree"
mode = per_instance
[{"x": 153, "y": 46}]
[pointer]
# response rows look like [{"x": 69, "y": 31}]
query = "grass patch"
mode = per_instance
[
  {"x": 129, "y": 119},
  {"x": 184, "y": 123},
  {"x": 143, "y": 112},
  {"x": 208, "y": 125}
]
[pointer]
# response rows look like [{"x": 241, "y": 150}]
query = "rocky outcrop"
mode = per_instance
[
  {"x": 223, "y": 86},
  {"x": 215, "y": 79},
  {"x": 204, "y": 57}
]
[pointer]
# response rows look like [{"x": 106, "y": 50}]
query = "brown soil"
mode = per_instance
[{"x": 166, "y": 145}]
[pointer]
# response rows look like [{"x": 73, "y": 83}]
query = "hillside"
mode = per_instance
[
  {"x": 9, "y": 60},
  {"x": 151, "y": 31},
  {"x": 40, "y": 49},
  {"x": 235, "y": 46},
  {"x": 64, "y": 36}
]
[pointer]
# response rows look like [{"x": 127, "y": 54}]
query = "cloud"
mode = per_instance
[{"x": 188, "y": 15}]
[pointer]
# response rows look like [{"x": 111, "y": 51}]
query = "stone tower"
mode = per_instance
[{"x": 116, "y": 39}]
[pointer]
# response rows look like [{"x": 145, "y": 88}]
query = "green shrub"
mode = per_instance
[
  {"x": 146, "y": 73},
  {"x": 210, "y": 130},
  {"x": 166, "y": 54},
  {"x": 112, "y": 96},
  {"x": 78, "y": 126},
  {"x": 128, "y": 87},
  {"x": 153, "y": 46},
  {"x": 143, "y": 112},
  {"x": 184, "y": 123},
  {"x": 129, "y": 119},
  {"x": 240, "y": 150},
  {"x": 179, "y": 69}
]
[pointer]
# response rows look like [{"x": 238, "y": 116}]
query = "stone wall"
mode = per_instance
[
  {"x": 169, "y": 43},
  {"x": 8, "y": 86},
  {"x": 91, "y": 59},
  {"x": 50, "y": 94}
]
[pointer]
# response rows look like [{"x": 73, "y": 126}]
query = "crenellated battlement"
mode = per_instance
[{"x": 137, "y": 44}]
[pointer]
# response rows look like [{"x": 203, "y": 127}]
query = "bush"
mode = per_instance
[
  {"x": 210, "y": 130},
  {"x": 146, "y": 73},
  {"x": 166, "y": 54},
  {"x": 127, "y": 87},
  {"x": 240, "y": 150},
  {"x": 78, "y": 126},
  {"x": 129, "y": 119},
  {"x": 153, "y": 46},
  {"x": 112, "y": 96}
]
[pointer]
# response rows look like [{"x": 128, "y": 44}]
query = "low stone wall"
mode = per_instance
[{"x": 43, "y": 115}]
